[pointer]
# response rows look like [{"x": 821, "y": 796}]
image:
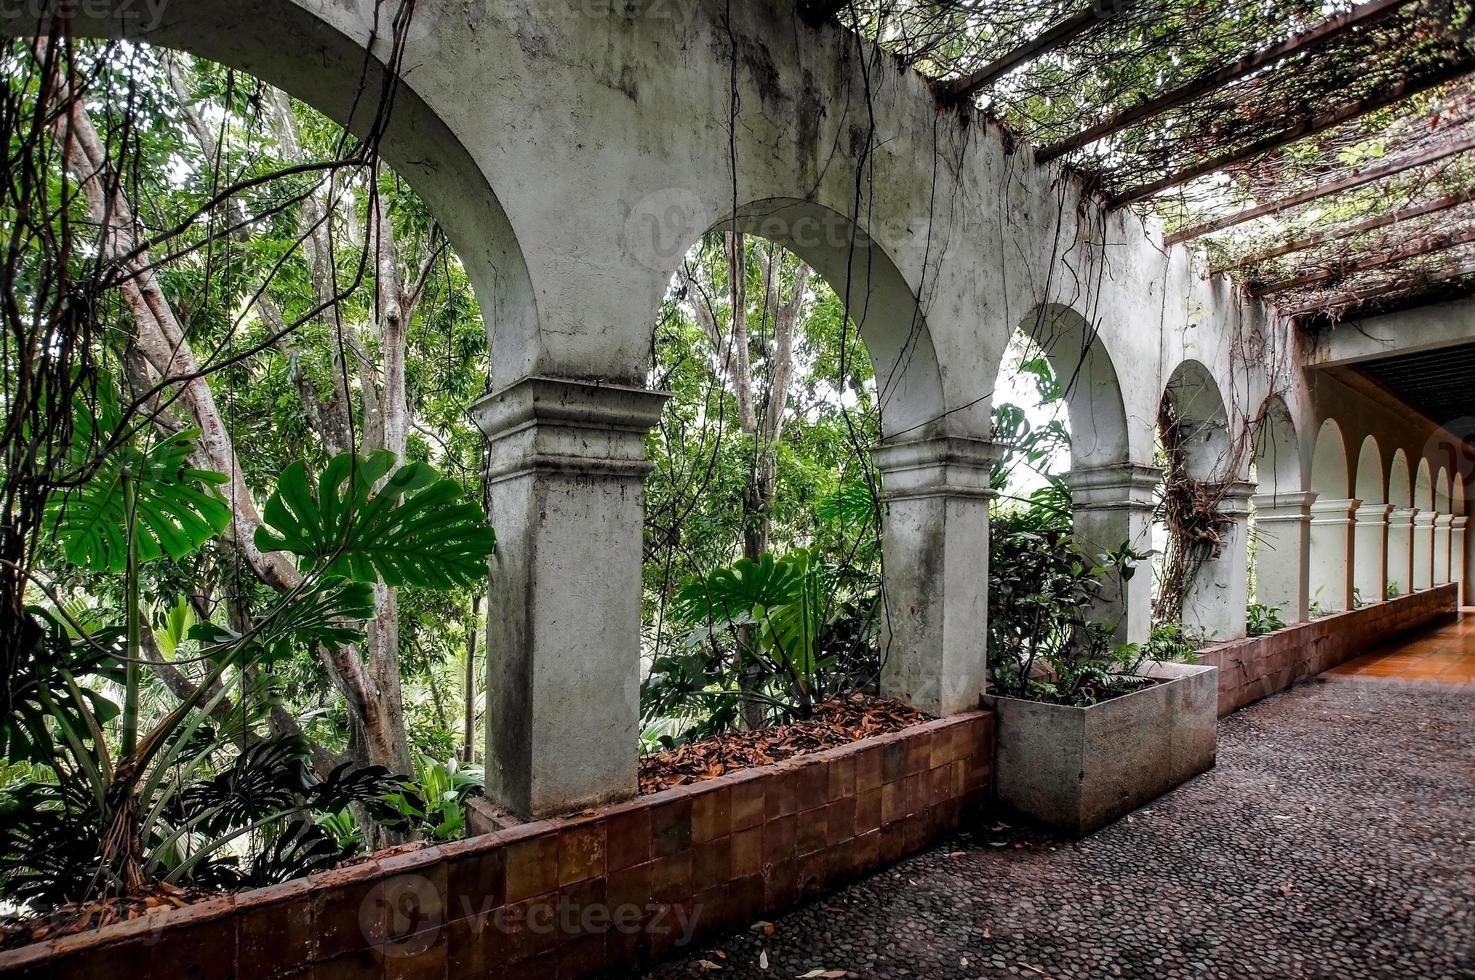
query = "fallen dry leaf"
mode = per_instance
[{"x": 836, "y": 722}]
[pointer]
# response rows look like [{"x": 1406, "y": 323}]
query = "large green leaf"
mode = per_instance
[
  {"x": 178, "y": 509},
  {"x": 793, "y": 628},
  {"x": 418, "y": 529},
  {"x": 737, "y": 593}
]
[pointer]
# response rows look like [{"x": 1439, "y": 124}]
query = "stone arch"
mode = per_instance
[
  {"x": 1399, "y": 579},
  {"x": 1199, "y": 406},
  {"x": 1276, "y": 451},
  {"x": 1422, "y": 574},
  {"x": 1088, "y": 378},
  {"x": 1370, "y": 531},
  {"x": 1331, "y": 548},
  {"x": 1368, "y": 485},
  {"x": 310, "y": 58},
  {"x": 887, "y": 314},
  {"x": 1424, "y": 487},
  {"x": 1400, "y": 487},
  {"x": 1443, "y": 525},
  {"x": 1329, "y": 462}
]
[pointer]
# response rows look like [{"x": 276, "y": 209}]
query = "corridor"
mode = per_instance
[
  {"x": 1440, "y": 656},
  {"x": 1334, "y": 839}
]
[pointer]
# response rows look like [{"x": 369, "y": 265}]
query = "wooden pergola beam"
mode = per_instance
[
  {"x": 1347, "y": 112},
  {"x": 1412, "y": 250},
  {"x": 1062, "y": 33},
  {"x": 1361, "y": 296},
  {"x": 1327, "y": 30},
  {"x": 1294, "y": 245},
  {"x": 1349, "y": 182}
]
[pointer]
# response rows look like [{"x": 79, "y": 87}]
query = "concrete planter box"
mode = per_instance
[{"x": 1077, "y": 769}]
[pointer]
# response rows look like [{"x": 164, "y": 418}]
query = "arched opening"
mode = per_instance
[
  {"x": 1331, "y": 523},
  {"x": 1201, "y": 579},
  {"x": 1400, "y": 527},
  {"x": 793, "y": 358},
  {"x": 280, "y": 334},
  {"x": 1278, "y": 522},
  {"x": 1443, "y": 527},
  {"x": 1457, "y": 552},
  {"x": 1423, "y": 549},
  {"x": 1370, "y": 536},
  {"x": 1060, "y": 428}
]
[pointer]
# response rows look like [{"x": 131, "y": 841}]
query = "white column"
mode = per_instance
[
  {"x": 563, "y": 622},
  {"x": 934, "y": 540},
  {"x": 1282, "y": 543},
  {"x": 1443, "y": 526},
  {"x": 1401, "y": 549},
  {"x": 1370, "y": 552},
  {"x": 1457, "y": 553},
  {"x": 1112, "y": 506},
  {"x": 1423, "y": 573},
  {"x": 1331, "y": 553},
  {"x": 1215, "y": 600}
]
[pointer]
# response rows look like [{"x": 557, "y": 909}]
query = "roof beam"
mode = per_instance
[
  {"x": 1062, "y": 33},
  {"x": 1293, "y": 245},
  {"x": 1423, "y": 246},
  {"x": 1357, "y": 178},
  {"x": 1356, "y": 297},
  {"x": 1327, "y": 30},
  {"x": 1402, "y": 89}
]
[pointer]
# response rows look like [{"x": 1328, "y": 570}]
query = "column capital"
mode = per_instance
[
  {"x": 1116, "y": 486},
  {"x": 1460, "y": 522},
  {"x": 1284, "y": 505},
  {"x": 944, "y": 466},
  {"x": 1444, "y": 520},
  {"x": 568, "y": 425},
  {"x": 1424, "y": 518},
  {"x": 1402, "y": 516},
  {"x": 1335, "y": 511},
  {"x": 1373, "y": 513},
  {"x": 1235, "y": 497}
]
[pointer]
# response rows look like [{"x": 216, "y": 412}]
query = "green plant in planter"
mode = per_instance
[
  {"x": 1173, "y": 643},
  {"x": 1042, "y": 643},
  {"x": 1392, "y": 591},
  {"x": 1261, "y": 618}
]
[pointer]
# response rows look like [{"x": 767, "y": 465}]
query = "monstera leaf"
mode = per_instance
[
  {"x": 793, "y": 628},
  {"x": 738, "y": 593},
  {"x": 177, "y": 507},
  {"x": 850, "y": 506},
  {"x": 418, "y": 529}
]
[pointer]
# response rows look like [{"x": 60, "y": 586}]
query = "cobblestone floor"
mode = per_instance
[{"x": 1335, "y": 839}]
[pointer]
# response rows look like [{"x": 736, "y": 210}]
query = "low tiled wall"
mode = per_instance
[
  {"x": 1255, "y": 668},
  {"x": 568, "y": 897}
]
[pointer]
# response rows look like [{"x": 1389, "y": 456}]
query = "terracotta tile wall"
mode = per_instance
[
  {"x": 569, "y": 897},
  {"x": 1256, "y": 668}
]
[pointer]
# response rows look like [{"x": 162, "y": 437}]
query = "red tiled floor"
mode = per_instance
[{"x": 1441, "y": 656}]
